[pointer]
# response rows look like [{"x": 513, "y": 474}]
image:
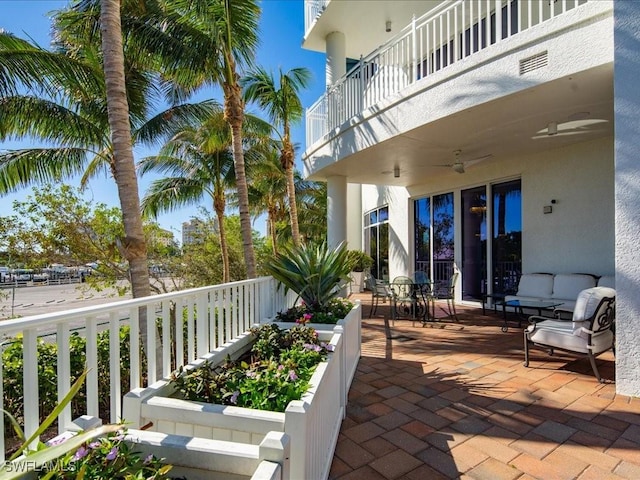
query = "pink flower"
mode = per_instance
[{"x": 292, "y": 376}]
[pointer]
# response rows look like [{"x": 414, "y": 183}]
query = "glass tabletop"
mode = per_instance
[{"x": 532, "y": 303}]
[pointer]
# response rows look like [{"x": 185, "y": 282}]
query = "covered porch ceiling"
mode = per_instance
[{"x": 579, "y": 108}]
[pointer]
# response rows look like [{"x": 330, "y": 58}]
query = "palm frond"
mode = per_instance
[
  {"x": 21, "y": 168},
  {"x": 168, "y": 194},
  {"x": 26, "y": 116},
  {"x": 174, "y": 119}
]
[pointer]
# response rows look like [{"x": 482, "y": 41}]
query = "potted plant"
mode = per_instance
[
  {"x": 317, "y": 275},
  {"x": 360, "y": 263}
]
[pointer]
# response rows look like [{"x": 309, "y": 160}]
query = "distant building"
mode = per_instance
[{"x": 192, "y": 231}]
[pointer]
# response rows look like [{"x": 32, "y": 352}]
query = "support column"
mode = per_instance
[
  {"x": 336, "y": 210},
  {"x": 336, "y": 65},
  {"x": 626, "y": 70},
  {"x": 354, "y": 216}
]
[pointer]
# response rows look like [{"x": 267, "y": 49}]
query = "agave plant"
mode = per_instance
[{"x": 315, "y": 273}]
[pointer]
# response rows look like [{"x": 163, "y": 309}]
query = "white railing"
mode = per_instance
[
  {"x": 312, "y": 10},
  {"x": 190, "y": 324},
  {"x": 436, "y": 40}
]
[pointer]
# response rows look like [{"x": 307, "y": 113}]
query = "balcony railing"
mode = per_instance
[
  {"x": 435, "y": 41},
  {"x": 191, "y": 323},
  {"x": 312, "y": 10}
]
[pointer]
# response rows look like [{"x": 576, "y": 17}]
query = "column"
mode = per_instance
[
  {"x": 336, "y": 65},
  {"x": 336, "y": 210},
  {"x": 626, "y": 70}
]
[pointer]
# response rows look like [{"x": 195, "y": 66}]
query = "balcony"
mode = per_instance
[{"x": 433, "y": 43}]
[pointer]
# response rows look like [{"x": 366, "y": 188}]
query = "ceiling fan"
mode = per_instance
[
  {"x": 459, "y": 165},
  {"x": 572, "y": 127}
]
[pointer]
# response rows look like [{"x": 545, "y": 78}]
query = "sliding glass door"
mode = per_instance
[
  {"x": 376, "y": 241},
  {"x": 507, "y": 236},
  {"x": 474, "y": 243},
  {"x": 480, "y": 234}
]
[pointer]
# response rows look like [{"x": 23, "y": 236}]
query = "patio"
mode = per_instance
[{"x": 453, "y": 400}]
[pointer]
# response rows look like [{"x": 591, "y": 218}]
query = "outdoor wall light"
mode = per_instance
[{"x": 387, "y": 26}]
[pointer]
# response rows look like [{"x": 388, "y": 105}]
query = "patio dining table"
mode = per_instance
[{"x": 411, "y": 299}]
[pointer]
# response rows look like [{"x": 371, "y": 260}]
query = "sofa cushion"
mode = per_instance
[
  {"x": 568, "y": 286},
  {"x": 607, "y": 281},
  {"x": 538, "y": 285},
  {"x": 588, "y": 300},
  {"x": 567, "y": 335}
]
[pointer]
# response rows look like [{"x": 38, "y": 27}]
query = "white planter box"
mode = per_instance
[{"x": 312, "y": 423}]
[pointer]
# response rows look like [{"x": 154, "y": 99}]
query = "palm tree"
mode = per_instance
[
  {"x": 281, "y": 102},
  {"x": 267, "y": 192},
  {"x": 199, "y": 162},
  {"x": 222, "y": 36},
  {"x": 134, "y": 247}
]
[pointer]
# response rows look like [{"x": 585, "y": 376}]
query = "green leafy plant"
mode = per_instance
[
  {"x": 336, "y": 309},
  {"x": 278, "y": 370},
  {"x": 108, "y": 456},
  {"x": 359, "y": 261},
  {"x": 315, "y": 274},
  {"x": 96, "y": 453}
]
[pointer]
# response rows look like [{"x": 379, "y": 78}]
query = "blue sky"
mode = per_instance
[{"x": 281, "y": 33}]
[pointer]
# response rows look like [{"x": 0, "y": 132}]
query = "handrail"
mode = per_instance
[
  {"x": 439, "y": 38},
  {"x": 190, "y": 323}
]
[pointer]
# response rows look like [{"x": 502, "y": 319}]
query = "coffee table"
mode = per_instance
[{"x": 518, "y": 305}]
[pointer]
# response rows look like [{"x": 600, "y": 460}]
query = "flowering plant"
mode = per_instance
[
  {"x": 106, "y": 457},
  {"x": 278, "y": 370},
  {"x": 334, "y": 310}
]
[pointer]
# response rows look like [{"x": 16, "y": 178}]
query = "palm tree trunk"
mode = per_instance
[
  {"x": 218, "y": 206},
  {"x": 287, "y": 159},
  {"x": 133, "y": 246},
  {"x": 272, "y": 230},
  {"x": 234, "y": 114}
]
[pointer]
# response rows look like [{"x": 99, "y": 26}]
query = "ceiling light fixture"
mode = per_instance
[
  {"x": 552, "y": 128},
  {"x": 387, "y": 26},
  {"x": 396, "y": 171}
]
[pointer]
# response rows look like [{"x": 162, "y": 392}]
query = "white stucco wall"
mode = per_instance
[
  {"x": 577, "y": 237},
  {"x": 627, "y": 180}
]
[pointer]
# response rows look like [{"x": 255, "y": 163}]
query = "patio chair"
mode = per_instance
[
  {"x": 589, "y": 332},
  {"x": 406, "y": 299},
  {"x": 379, "y": 290},
  {"x": 447, "y": 292}
]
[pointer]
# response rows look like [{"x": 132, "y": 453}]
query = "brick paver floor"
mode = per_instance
[{"x": 453, "y": 400}]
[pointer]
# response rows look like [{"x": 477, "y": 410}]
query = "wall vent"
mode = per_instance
[{"x": 534, "y": 62}]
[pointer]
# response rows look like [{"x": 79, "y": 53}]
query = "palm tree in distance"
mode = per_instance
[
  {"x": 198, "y": 162},
  {"x": 279, "y": 98},
  {"x": 267, "y": 192},
  {"x": 222, "y": 37}
]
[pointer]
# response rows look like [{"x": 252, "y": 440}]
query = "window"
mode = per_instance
[{"x": 376, "y": 240}]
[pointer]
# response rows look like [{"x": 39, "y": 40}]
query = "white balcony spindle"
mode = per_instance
[
  {"x": 166, "y": 338},
  {"x": 30, "y": 382},
  {"x": 64, "y": 373},
  {"x": 93, "y": 407},
  {"x": 152, "y": 363},
  {"x": 180, "y": 307},
  {"x": 134, "y": 345},
  {"x": 114, "y": 368},
  {"x": 191, "y": 348}
]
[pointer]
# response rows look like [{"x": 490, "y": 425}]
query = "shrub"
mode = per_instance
[
  {"x": 359, "y": 261},
  {"x": 315, "y": 274},
  {"x": 334, "y": 310},
  {"x": 277, "y": 370}
]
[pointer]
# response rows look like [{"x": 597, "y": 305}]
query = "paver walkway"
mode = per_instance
[{"x": 453, "y": 400}]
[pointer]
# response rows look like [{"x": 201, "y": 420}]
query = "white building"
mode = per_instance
[{"x": 452, "y": 138}]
